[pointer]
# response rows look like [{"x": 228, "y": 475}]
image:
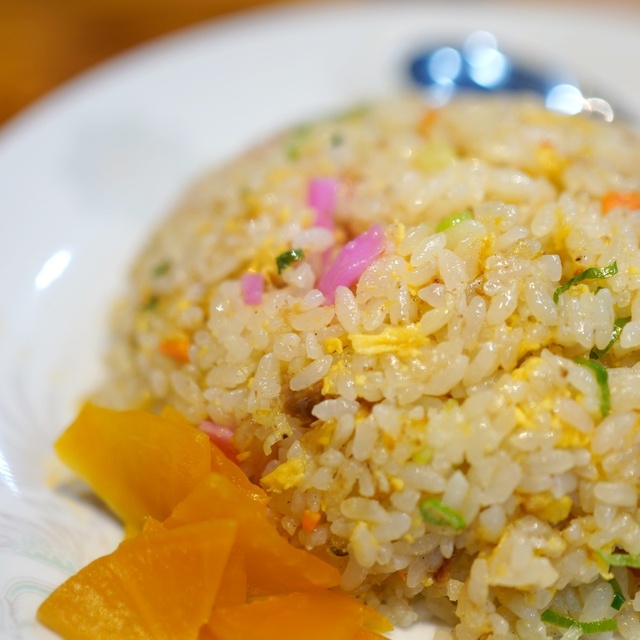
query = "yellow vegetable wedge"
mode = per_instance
[
  {"x": 313, "y": 615},
  {"x": 160, "y": 585},
  {"x": 273, "y": 564},
  {"x": 138, "y": 463}
]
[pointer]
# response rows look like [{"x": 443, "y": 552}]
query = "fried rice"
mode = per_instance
[{"x": 418, "y": 328}]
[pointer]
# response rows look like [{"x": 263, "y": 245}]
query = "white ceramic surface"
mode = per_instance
[{"x": 84, "y": 173}]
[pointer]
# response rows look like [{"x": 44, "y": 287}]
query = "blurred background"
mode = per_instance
[{"x": 45, "y": 42}]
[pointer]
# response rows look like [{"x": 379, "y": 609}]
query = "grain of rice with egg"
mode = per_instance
[{"x": 438, "y": 427}]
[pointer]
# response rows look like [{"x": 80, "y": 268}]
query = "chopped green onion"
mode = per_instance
[
  {"x": 161, "y": 268},
  {"x": 151, "y": 304},
  {"x": 618, "y": 326},
  {"x": 300, "y": 135},
  {"x": 620, "y": 559},
  {"x": 287, "y": 258},
  {"x": 618, "y": 596},
  {"x": 453, "y": 220},
  {"x": 602, "y": 378},
  {"x": 296, "y": 141},
  {"x": 592, "y": 273},
  {"x": 596, "y": 626},
  {"x": 435, "y": 512},
  {"x": 553, "y": 617}
]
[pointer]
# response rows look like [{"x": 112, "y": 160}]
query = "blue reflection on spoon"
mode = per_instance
[{"x": 479, "y": 65}]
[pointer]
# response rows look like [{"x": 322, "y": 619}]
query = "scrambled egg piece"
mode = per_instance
[
  {"x": 264, "y": 260},
  {"x": 545, "y": 506},
  {"x": 528, "y": 346},
  {"x": 528, "y": 368},
  {"x": 333, "y": 345},
  {"x": 405, "y": 341},
  {"x": 573, "y": 438},
  {"x": 329, "y": 383},
  {"x": 550, "y": 163},
  {"x": 279, "y": 174},
  {"x": 319, "y": 436},
  {"x": 519, "y": 561},
  {"x": 559, "y": 234},
  {"x": 286, "y": 476}
]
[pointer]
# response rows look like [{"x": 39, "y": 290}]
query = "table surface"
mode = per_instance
[{"x": 45, "y": 42}]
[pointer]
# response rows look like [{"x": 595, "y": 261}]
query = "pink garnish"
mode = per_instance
[
  {"x": 352, "y": 261},
  {"x": 221, "y": 437},
  {"x": 252, "y": 288},
  {"x": 321, "y": 197}
]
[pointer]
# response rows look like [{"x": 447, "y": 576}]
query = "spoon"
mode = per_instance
[{"x": 479, "y": 65}]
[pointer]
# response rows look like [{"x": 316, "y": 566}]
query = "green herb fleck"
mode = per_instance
[
  {"x": 592, "y": 273},
  {"x": 618, "y": 326},
  {"x": 296, "y": 141},
  {"x": 161, "y": 268},
  {"x": 338, "y": 552},
  {"x": 602, "y": 378},
  {"x": 435, "y": 512},
  {"x": 453, "y": 220},
  {"x": 151, "y": 304},
  {"x": 618, "y": 596},
  {"x": 353, "y": 113},
  {"x": 620, "y": 559},
  {"x": 596, "y": 626},
  {"x": 287, "y": 258},
  {"x": 336, "y": 139},
  {"x": 300, "y": 135}
]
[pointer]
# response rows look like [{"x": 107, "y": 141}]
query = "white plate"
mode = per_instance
[{"x": 86, "y": 172}]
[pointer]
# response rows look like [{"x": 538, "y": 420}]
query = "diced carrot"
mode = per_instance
[
  {"x": 310, "y": 520},
  {"x": 176, "y": 348},
  {"x": 614, "y": 199},
  {"x": 160, "y": 584},
  {"x": 427, "y": 121}
]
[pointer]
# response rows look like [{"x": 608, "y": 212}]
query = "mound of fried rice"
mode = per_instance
[{"x": 419, "y": 329}]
